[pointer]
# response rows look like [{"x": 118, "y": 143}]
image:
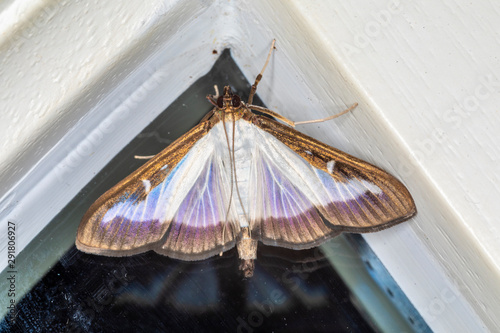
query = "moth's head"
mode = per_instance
[{"x": 228, "y": 99}]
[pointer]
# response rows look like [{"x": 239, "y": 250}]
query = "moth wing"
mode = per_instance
[
  {"x": 299, "y": 183},
  {"x": 174, "y": 204}
]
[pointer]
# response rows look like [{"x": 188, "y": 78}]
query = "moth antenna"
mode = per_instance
[
  {"x": 213, "y": 98},
  {"x": 327, "y": 118},
  {"x": 230, "y": 166},
  {"x": 259, "y": 77},
  {"x": 295, "y": 123}
]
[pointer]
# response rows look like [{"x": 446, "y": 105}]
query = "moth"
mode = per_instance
[{"x": 237, "y": 178}]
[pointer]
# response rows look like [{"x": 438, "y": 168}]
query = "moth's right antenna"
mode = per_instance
[{"x": 259, "y": 77}]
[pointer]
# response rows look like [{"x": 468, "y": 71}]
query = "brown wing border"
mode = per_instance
[{"x": 150, "y": 170}]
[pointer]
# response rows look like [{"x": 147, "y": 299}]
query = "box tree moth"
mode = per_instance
[{"x": 238, "y": 178}]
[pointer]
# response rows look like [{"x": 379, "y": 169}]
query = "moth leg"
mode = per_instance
[
  {"x": 259, "y": 77},
  {"x": 295, "y": 123},
  {"x": 144, "y": 157},
  {"x": 271, "y": 113},
  {"x": 213, "y": 98}
]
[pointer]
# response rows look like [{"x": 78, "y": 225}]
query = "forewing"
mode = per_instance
[
  {"x": 300, "y": 181},
  {"x": 149, "y": 210}
]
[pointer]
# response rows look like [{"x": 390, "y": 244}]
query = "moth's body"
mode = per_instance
[
  {"x": 244, "y": 150},
  {"x": 238, "y": 178}
]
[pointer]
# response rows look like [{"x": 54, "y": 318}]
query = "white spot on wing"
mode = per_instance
[
  {"x": 147, "y": 185},
  {"x": 308, "y": 152},
  {"x": 330, "y": 165}
]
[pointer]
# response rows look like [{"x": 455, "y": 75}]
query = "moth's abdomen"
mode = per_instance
[{"x": 244, "y": 147}]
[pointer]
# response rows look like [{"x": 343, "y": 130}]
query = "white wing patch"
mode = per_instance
[
  {"x": 330, "y": 165},
  {"x": 147, "y": 185}
]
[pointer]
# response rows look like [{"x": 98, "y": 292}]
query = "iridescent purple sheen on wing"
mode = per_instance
[
  {"x": 192, "y": 243},
  {"x": 200, "y": 221},
  {"x": 135, "y": 219},
  {"x": 288, "y": 217},
  {"x": 130, "y": 232}
]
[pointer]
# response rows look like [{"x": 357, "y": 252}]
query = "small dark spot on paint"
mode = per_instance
[{"x": 214, "y": 52}]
